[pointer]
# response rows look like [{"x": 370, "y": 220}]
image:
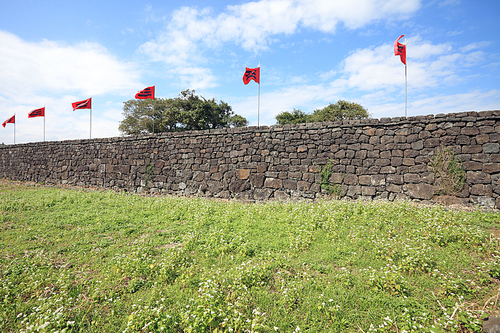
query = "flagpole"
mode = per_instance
[
  {"x": 406, "y": 78},
  {"x": 14, "y": 128},
  {"x": 153, "y": 116},
  {"x": 406, "y": 91},
  {"x": 90, "y": 118},
  {"x": 258, "y": 109},
  {"x": 44, "y": 123}
]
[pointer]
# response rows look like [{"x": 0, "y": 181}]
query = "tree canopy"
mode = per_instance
[
  {"x": 342, "y": 110},
  {"x": 186, "y": 112}
]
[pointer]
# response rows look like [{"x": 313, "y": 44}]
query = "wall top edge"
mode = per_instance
[{"x": 469, "y": 116}]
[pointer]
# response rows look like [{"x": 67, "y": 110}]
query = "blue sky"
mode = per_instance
[{"x": 312, "y": 53}]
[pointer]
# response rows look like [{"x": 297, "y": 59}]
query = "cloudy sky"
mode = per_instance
[{"x": 311, "y": 52}]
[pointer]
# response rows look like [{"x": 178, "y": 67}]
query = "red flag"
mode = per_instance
[
  {"x": 11, "y": 120},
  {"x": 148, "y": 92},
  {"x": 251, "y": 74},
  {"x": 37, "y": 113},
  {"x": 400, "y": 50},
  {"x": 85, "y": 104}
]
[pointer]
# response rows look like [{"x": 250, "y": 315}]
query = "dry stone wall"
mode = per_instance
[{"x": 384, "y": 158}]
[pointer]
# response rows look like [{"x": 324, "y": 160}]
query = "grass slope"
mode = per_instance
[{"x": 82, "y": 261}]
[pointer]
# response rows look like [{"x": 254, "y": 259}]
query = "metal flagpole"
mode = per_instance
[
  {"x": 406, "y": 91},
  {"x": 44, "y": 123},
  {"x": 153, "y": 116},
  {"x": 406, "y": 79},
  {"x": 91, "y": 117},
  {"x": 14, "y": 128},
  {"x": 258, "y": 109}
]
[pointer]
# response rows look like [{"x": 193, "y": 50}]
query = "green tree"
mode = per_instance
[
  {"x": 186, "y": 112},
  {"x": 294, "y": 117},
  {"x": 342, "y": 110}
]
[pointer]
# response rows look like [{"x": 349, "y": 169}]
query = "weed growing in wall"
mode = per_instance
[
  {"x": 448, "y": 172},
  {"x": 325, "y": 173},
  {"x": 149, "y": 172}
]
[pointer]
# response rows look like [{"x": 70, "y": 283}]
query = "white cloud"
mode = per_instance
[
  {"x": 374, "y": 77},
  {"x": 429, "y": 65},
  {"x": 196, "y": 77},
  {"x": 86, "y": 68},
  {"x": 254, "y": 26},
  {"x": 474, "y": 46},
  {"x": 34, "y": 74}
]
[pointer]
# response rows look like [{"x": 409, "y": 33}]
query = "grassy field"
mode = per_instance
[{"x": 88, "y": 261}]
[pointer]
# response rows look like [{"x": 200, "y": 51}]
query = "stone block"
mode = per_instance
[
  {"x": 478, "y": 177},
  {"x": 369, "y": 131},
  {"x": 449, "y": 200},
  {"x": 396, "y": 161},
  {"x": 463, "y": 140},
  {"x": 337, "y": 178},
  {"x": 301, "y": 148},
  {"x": 351, "y": 179},
  {"x": 213, "y": 186},
  {"x": 281, "y": 195},
  {"x": 482, "y": 138},
  {"x": 368, "y": 191},
  {"x": 393, "y": 188},
  {"x": 469, "y": 131},
  {"x": 482, "y": 158},
  {"x": 491, "y": 167},
  {"x": 419, "y": 191},
  {"x": 382, "y": 162},
  {"x": 397, "y": 153},
  {"x": 386, "y": 139},
  {"x": 487, "y": 202},
  {"x": 242, "y": 173},
  {"x": 408, "y": 161},
  {"x": 340, "y": 154},
  {"x": 257, "y": 179},
  {"x": 262, "y": 193},
  {"x": 481, "y": 190},
  {"x": 491, "y": 148},
  {"x": 385, "y": 154},
  {"x": 365, "y": 180},
  {"x": 261, "y": 167},
  {"x": 428, "y": 177},
  {"x": 411, "y": 178},
  {"x": 303, "y": 185},
  {"x": 388, "y": 169},
  {"x": 432, "y": 142},
  {"x": 290, "y": 184},
  {"x": 417, "y": 145},
  {"x": 353, "y": 191},
  {"x": 472, "y": 166},
  {"x": 377, "y": 180},
  {"x": 419, "y": 168},
  {"x": 361, "y": 154}
]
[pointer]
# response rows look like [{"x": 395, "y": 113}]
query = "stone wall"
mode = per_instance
[{"x": 372, "y": 158}]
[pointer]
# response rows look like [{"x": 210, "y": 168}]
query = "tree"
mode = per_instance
[
  {"x": 183, "y": 113},
  {"x": 342, "y": 110},
  {"x": 294, "y": 117}
]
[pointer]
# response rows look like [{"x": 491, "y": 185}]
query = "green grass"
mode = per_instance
[{"x": 88, "y": 261}]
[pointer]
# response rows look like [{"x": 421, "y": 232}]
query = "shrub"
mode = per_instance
[{"x": 448, "y": 172}]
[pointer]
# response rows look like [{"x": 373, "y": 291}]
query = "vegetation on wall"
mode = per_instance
[
  {"x": 325, "y": 174},
  {"x": 448, "y": 172}
]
